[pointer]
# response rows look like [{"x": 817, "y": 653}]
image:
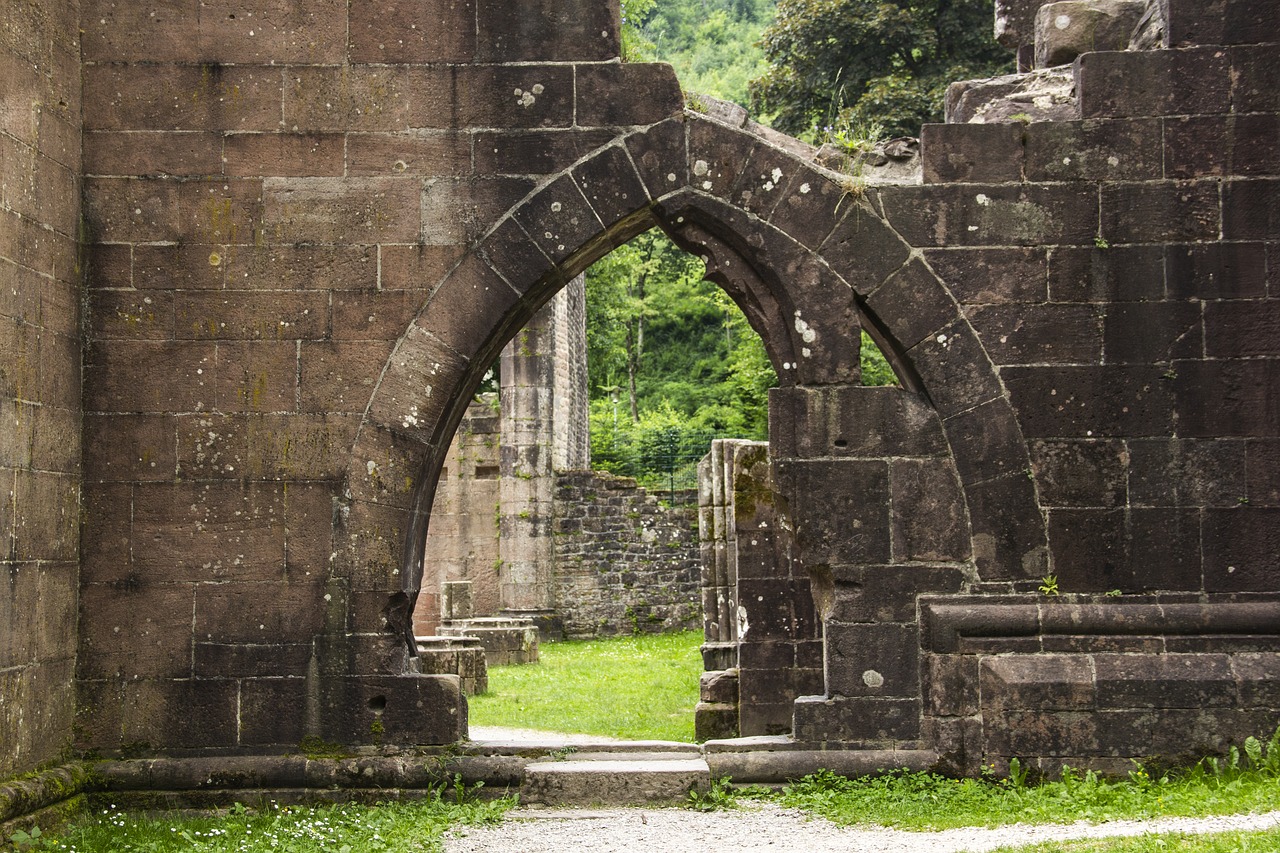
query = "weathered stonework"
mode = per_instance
[
  {"x": 40, "y": 415},
  {"x": 304, "y": 247}
]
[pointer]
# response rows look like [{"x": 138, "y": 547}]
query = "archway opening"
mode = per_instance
[{"x": 535, "y": 525}]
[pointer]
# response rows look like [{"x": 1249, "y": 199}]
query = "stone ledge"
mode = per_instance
[{"x": 946, "y": 623}]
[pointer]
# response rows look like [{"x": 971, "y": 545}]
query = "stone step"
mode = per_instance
[{"x": 636, "y": 780}]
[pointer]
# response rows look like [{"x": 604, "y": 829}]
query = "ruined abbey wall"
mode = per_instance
[
  {"x": 306, "y": 236},
  {"x": 39, "y": 378}
]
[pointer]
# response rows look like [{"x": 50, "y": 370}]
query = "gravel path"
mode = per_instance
[{"x": 770, "y": 827}]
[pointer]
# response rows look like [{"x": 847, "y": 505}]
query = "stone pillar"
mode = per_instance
[{"x": 544, "y": 414}]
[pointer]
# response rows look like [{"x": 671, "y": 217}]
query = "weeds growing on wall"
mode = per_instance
[{"x": 386, "y": 828}]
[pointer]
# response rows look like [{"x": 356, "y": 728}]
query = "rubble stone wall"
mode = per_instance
[
  {"x": 40, "y": 414},
  {"x": 624, "y": 564}
]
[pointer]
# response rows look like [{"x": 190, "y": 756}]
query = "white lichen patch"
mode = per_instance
[
  {"x": 701, "y": 167},
  {"x": 807, "y": 334}
]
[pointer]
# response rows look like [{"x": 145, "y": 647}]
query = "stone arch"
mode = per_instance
[{"x": 809, "y": 257}]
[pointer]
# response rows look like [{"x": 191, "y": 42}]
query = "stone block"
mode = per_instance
[
  {"x": 972, "y": 153},
  {"x": 1037, "y": 682},
  {"x": 852, "y": 421},
  {"x": 1039, "y": 334},
  {"x": 986, "y": 442},
  {"x": 1220, "y": 22},
  {"x": 719, "y": 687},
  {"x": 165, "y": 32},
  {"x": 1114, "y": 274},
  {"x": 247, "y": 660},
  {"x": 120, "y": 377},
  {"x": 339, "y": 376},
  {"x": 1008, "y": 531},
  {"x": 1186, "y": 472},
  {"x": 200, "y": 532},
  {"x": 840, "y": 509},
  {"x": 1255, "y": 78},
  {"x": 1218, "y": 399},
  {"x": 1152, "y": 332},
  {"x": 1091, "y": 401},
  {"x": 1021, "y": 215},
  {"x": 355, "y": 98},
  {"x": 929, "y": 520},
  {"x": 1153, "y": 83},
  {"x": 120, "y": 210},
  {"x": 1066, "y": 29},
  {"x": 612, "y": 187},
  {"x": 373, "y": 315},
  {"x": 912, "y": 304},
  {"x": 1069, "y": 733},
  {"x": 531, "y": 152},
  {"x": 178, "y": 154},
  {"x": 659, "y": 156},
  {"x": 1095, "y": 150},
  {"x": 125, "y": 448},
  {"x": 1164, "y": 211},
  {"x": 614, "y": 95},
  {"x": 887, "y": 593},
  {"x": 712, "y": 721},
  {"x": 284, "y": 154},
  {"x": 1241, "y": 549},
  {"x": 472, "y": 290},
  {"x": 854, "y": 720},
  {"x": 170, "y": 96},
  {"x": 561, "y": 222},
  {"x": 329, "y": 210},
  {"x": 1089, "y": 472},
  {"x": 810, "y": 207},
  {"x": 1257, "y": 677},
  {"x": 872, "y": 660},
  {"x": 393, "y": 31},
  {"x": 1262, "y": 472},
  {"x": 135, "y": 629},
  {"x": 950, "y": 684},
  {"x": 1251, "y": 210},
  {"x": 164, "y": 714},
  {"x": 1047, "y": 95},
  {"x": 954, "y": 369},
  {"x": 1164, "y": 681},
  {"x": 547, "y": 31},
  {"x": 513, "y": 96},
  {"x": 417, "y": 267},
  {"x": 262, "y": 720}
]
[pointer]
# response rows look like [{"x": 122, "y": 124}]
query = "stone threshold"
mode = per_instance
[{"x": 213, "y": 782}]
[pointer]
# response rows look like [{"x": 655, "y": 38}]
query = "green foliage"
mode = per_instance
[
  {"x": 719, "y": 796},
  {"x": 673, "y": 363},
  {"x": 875, "y": 367},
  {"x": 386, "y": 828},
  {"x": 643, "y": 686},
  {"x": 1240, "y": 782},
  {"x": 839, "y": 63},
  {"x": 712, "y": 44},
  {"x": 1049, "y": 585}
]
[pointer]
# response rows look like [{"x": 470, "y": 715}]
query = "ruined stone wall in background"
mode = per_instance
[
  {"x": 462, "y": 544},
  {"x": 39, "y": 378},
  {"x": 623, "y": 563}
]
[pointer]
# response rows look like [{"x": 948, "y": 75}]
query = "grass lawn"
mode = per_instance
[
  {"x": 390, "y": 828},
  {"x": 642, "y": 687},
  {"x": 1267, "y": 841}
]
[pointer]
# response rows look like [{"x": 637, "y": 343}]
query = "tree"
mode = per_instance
[{"x": 840, "y": 65}]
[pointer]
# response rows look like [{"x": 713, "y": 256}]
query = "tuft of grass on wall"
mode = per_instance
[{"x": 642, "y": 687}]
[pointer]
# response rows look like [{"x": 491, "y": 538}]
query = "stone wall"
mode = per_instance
[
  {"x": 308, "y": 235},
  {"x": 462, "y": 544},
  {"x": 623, "y": 563},
  {"x": 40, "y": 415}
]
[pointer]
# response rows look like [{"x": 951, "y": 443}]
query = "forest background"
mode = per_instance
[{"x": 672, "y": 361}]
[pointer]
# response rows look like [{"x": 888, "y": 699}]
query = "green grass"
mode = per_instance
[
  {"x": 642, "y": 687},
  {"x": 387, "y": 828},
  {"x": 1266, "y": 841},
  {"x": 1249, "y": 783}
]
